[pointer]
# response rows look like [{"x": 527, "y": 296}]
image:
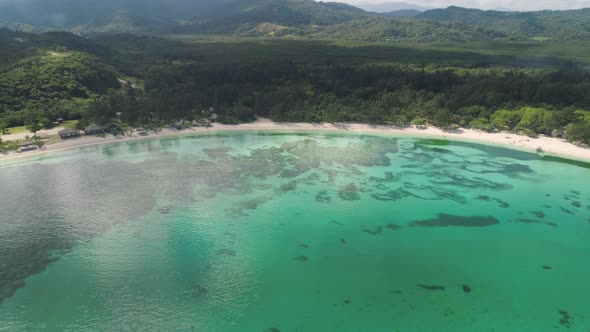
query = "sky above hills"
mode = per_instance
[{"x": 521, "y": 5}]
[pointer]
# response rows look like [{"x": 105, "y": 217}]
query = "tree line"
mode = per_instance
[{"x": 535, "y": 101}]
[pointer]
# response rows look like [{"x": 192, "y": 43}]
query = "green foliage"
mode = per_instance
[
  {"x": 442, "y": 118},
  {"x": 384, "y": 29},
  {"x": 578, "y": 132},
  {"x": 122, "y": 104},
  {"x": 7, "y": 146},
  {"x": 17, "y": 45},
  {"x": 537, "y": 120},
  {"x": 419, "y": 121},
  {"x": 38, "y": 142},
  {"x": 482, "y": 124},
  {"x": 34, "y": 127},
  {"x": 81, "y": 124},
  {"x": 290, "y": 18},
  {"x": 236, "y": 114},
  {"x": 284, "y": 80},
  {"x": 58, "y": 84},
  {"x": 3, "y": 127},
  {"x": 540, "y": 25},
  {"x": 505, "y": 119},
  {"x": 582, "y": 117}
]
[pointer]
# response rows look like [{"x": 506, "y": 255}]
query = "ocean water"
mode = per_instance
[{"x": 294, "y": 232}]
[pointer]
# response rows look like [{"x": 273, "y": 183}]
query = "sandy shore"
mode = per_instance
[{"x": 551, "y": 146}]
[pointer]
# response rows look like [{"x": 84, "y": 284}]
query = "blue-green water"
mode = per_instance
[{"x": 306, "y": 232}]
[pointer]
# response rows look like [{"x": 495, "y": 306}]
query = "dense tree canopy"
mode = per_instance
[
  {"x": 56, "y": 83},
  {"x": 500, "y": 99},
  {"x": 170, "y": 80}
]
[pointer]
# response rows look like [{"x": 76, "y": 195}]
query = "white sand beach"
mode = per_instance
[{"x": 550, "y": 146}]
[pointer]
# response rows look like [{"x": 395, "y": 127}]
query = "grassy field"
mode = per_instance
[
  {"x": 17, "y": 130},
  {"x": 71, "y": 124},
  {"x": 23, "y": 129}
]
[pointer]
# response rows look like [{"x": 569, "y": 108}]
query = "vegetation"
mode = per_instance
[
  {"x": 497, "y": 87},
  {"x": 541, "y": 25},
  {"x": 292, "y": 18},
  {"x": 419, "y": 30},
  {"x": 42, "y": 88}
]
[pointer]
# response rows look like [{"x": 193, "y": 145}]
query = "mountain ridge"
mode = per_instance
[
  {"x": 544, "y": 24},
  {"x": 299, "y": 18}
]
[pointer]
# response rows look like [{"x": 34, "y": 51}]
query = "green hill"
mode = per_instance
[
  {"x": 50, "y": 73},
  {"x": 280, "y": 18},
  {"x": 403, "y": 13},
  {"x": 383, "y": 29},
  {"x": 556, "y": 25},
  {"x": 290, "y": 13},
  {"x": 15, "y": 45}
]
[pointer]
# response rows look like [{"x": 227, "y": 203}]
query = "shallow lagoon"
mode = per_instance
[{"x": 294, "y": 232}]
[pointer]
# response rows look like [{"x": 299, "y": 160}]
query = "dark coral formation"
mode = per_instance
[
  {"x": 532, "y": 221},
  {"x": 388, "y": 177},
  {"x": 432, "y": 287},
  {"x": 472, "y": 183},
  {"x": 217, "y": 153},
  {"x": 392, "y": 227},
  {"x": 466, "y": 289},
  {"x": 409, "y": 190},
  {"x": 566, "y": 211},
  {"x": 502, "y": 203},
  {"x": 323, "y": 197},
  {"x": 166, "y": 209},
  {"x": 392, "y": 195},
  {"x": 566, "y": 319},
  {"x": 373, "y": 231},
  {"x": 350, "y": 192},
  {"x": 238, "y": 209},
  {"x": 199, "y": 292},
  {"x": 447, "y": 220},
  {"x": 289, "y": 186}
]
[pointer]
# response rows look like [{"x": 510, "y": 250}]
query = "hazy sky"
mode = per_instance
[{"x": 492, "y": 4}]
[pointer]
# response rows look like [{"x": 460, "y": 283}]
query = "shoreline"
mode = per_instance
[{"x": 551, "y": 146}]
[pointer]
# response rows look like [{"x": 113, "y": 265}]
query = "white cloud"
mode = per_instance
[{"x": 493, "y": 4}]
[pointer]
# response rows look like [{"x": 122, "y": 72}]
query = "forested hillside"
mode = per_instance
[
  {"x": 537, "y": 88},
  {"x": 383, "y": 29},
  {"x": 291, "y": 18},
  {"x": 557, "y": 25},
  {"x": 317, "y": 81},
  {"x": 15, "y": 45},
  {"x": 51, "y": 75}
]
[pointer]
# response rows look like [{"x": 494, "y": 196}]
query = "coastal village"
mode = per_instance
[{"x": 26, "y": 141}]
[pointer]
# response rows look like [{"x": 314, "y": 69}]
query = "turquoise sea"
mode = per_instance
[{"x": 294, "y": 232}]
